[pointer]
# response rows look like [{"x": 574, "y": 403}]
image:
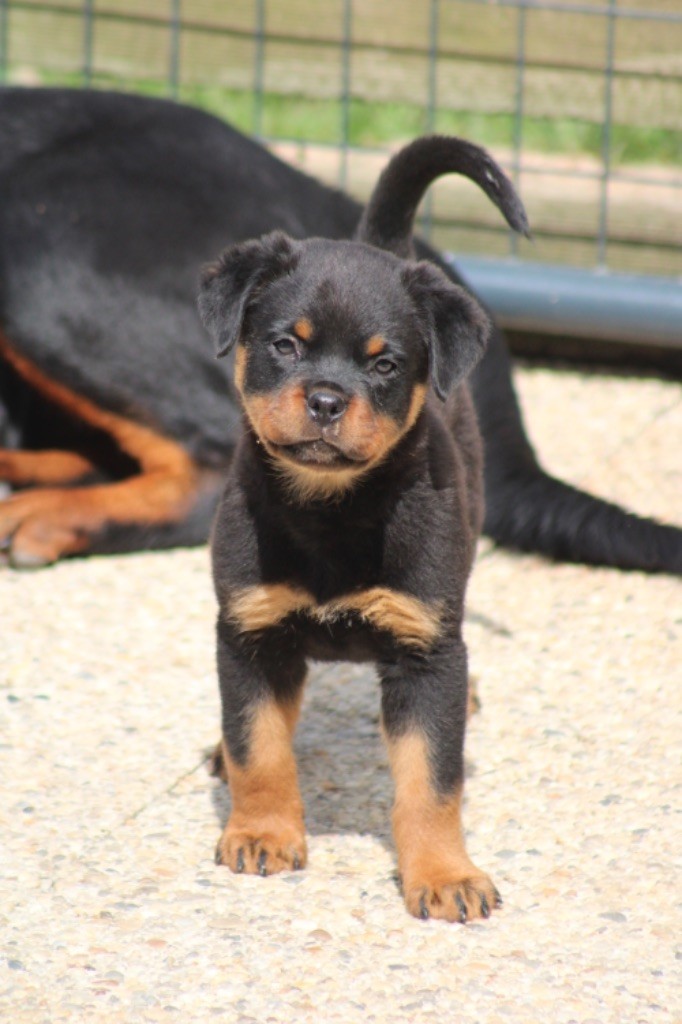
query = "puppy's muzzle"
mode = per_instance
[{"x": 325, "y": 406}]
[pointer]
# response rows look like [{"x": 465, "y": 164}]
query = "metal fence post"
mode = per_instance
[
  {"x": 88, "y": 40},
  {"x": 259, "y": 67},
  {"x": 602, "y": 239},
  {"x": 175, "y": 17},
  {"x": 517, "y": 143}
]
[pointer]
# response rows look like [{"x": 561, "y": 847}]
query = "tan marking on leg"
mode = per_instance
[
  {"x": 438, "y": 878},
  {"x": 410, "y": 620},
  {"x": 217, "y": 765},
  {"x": 44, "y": 525},
  {"x": 264, "y": 606},
  {"x": 265, "y": 832},
  {"x": 43, "y": 468}
]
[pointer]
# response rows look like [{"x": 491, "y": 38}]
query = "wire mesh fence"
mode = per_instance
[{"x": 581, "y": 100}]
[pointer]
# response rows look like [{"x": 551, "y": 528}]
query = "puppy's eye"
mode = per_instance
[
  {"x": 286, "y": 347},
  {"x": 385, "y": 367}
]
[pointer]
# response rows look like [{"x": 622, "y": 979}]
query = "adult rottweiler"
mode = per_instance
[
  {"x": 117, "y": 422},
  {"x": 348, "y": 525}
]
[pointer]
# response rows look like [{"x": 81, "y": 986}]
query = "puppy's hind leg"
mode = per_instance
[{"x": 44, "y": 468}]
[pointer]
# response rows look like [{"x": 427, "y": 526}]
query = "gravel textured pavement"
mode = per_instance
[{"x": 111, "y": 908}]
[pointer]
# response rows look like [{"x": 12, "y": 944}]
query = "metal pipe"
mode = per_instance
[{"x": 542, "y": 299}]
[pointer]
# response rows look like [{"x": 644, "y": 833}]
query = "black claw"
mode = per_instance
[
  {"x": 240, "y": 861},
  {"x": 296, "y": 862},
  {"x": 423, "y": 909},
  {"x": 218, "y": 857},
  {"x": 499, "y": 902},
  {"x": 462, "y": 907},
  {"x": 262, "y": 858},
  {"x": 485, "y": 909}
]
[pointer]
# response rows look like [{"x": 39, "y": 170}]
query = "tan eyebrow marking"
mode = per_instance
[
  {"x": 375, "y": 345},
  {"x": 304, "y": 329}
]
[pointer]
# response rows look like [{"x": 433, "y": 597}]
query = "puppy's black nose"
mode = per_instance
[{"x": 326, "y": 406}]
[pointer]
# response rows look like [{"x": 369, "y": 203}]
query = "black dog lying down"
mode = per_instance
[
  {"x": 118, "y": 425},
  {"x": 349, "y": 521}
]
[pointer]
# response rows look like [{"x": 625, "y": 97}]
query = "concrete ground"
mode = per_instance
[{"x": 111, "y": 908}]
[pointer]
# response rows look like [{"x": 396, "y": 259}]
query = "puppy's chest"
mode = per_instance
[
  {"x": 334, "y": 596},
  {"x": 335, "y": 593},
  {"x": 365, "y": 622}
]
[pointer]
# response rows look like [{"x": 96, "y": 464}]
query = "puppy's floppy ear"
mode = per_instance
[
  {"x": 229, "y": 284},
  {"x": 456, "y": 327}
]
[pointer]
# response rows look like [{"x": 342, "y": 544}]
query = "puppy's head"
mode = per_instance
[{"x": 336, "y": 344}]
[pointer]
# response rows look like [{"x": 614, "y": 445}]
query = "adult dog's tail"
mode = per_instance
[
  {"x": 526, "y": 508},
  {"x": 389, "y": 215}
]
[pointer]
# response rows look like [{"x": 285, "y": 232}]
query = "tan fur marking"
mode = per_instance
[
  {"x": 304, "y": 329},
  {"x": 217, "y": 763},
  {"x": 375, "y": 345},
  {"x": 306, "y": 484},
  {"x": 437, "y": 875},
  {"x": 152, "y": 450},
  {"x": 416, "y": 406},
  {"x": 49, "y": 523},
  {"x": 411, "y": 621},
  {"x": 265, "y": 832},
  {"x": 240, "y": 358},
  {"x": 44, "y": 468},
  {"x": 257, "y": 608},
  {"x": 281, "y": 418},
  {"x": 365, "y": 435}
]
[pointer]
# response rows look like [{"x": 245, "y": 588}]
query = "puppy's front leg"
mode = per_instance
[
  {"x": 424, "y": 704},
  {"x": 260, "y": 688}
]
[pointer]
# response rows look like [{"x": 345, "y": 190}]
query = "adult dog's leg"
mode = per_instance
[
  {"x": 169, "y": 500},
  {"x": 45, "y": 468}
]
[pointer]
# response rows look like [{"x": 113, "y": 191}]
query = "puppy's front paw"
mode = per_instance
[
  {"x": 451, "y": 897},
  {"x": 262, "y": 851}
]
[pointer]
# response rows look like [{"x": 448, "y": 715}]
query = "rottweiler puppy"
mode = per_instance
[{"x": 348, "y": 525}]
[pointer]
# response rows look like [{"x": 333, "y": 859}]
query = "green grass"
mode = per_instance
[{"x": 373, "y": 124}]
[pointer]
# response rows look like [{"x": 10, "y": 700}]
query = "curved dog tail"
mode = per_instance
[{"x": 388, "y": 218}]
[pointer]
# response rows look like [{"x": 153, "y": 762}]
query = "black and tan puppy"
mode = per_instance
[{"x": 349, "y": 522}]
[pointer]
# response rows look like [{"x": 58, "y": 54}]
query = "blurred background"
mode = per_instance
[{"x": 580, "y": 100}]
